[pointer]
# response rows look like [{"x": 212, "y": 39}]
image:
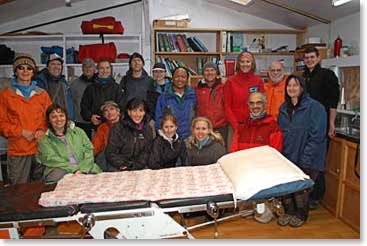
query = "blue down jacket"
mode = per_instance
[{"x": 304, "y": 136}]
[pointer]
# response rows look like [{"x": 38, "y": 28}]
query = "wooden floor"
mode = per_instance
[{"x": 320, "y": 225}]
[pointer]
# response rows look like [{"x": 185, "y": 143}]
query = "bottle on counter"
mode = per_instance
[{"x": 337, "y": 46}]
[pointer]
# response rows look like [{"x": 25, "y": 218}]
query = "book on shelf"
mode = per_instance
[
  {"x": 166, "y": 42},
  {"x": 201, "y": 44},
  {"x": 181, "y": 43},
  {"x": 238, "y": 42},
  {"x": 195, "y": 47},
  {"x": 230, "y": 66},
  {"x": 188, "y": 48},
  {"x": 171, "y": 64},
  {"x": 224, "y": 41},
  {"x": 199, "y": 65}
]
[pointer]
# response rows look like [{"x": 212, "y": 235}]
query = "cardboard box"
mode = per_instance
[{"x": 171, "y": 23}]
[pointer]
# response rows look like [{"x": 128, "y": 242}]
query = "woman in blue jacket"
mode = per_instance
[{"x": 303, "y": 123}]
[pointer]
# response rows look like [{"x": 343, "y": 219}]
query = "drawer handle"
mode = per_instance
[{"x": 337, "y": 170}]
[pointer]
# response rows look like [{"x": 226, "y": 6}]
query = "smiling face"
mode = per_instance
[
  {"x": 210, "y": 74},
  {"x": 136, "y": 64},
  {"x": 137, "y": 114},
  {"x": 55, "y": 68},
  {"x": 159, "y": 74},
  {"x": 169, "y": 128},
  {"x": 88, "y": 71},
  {"x": 104, "y": 69},
  {"x": 276, "y": 72},
  {"x": 256, "y": 104},
  {"x": 311, "y": 60},
  {"x": 57, "y": 119},
  {"x": 245, "y": 62},
  {"x": 201, "y": 130},
  {"x": 111, "y": 113},
  {"x": 179, "y": 78},
  {"x": 294, "y": 89},
  {"x": 24, "y": 74}
]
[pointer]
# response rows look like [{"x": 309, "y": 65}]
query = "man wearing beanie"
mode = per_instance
[
  {"x": 136, "y": 83},
  {"x": 23, "y": 108},
  {"x": 52, "y": 80},
  {"x": 210, "y": 97}
]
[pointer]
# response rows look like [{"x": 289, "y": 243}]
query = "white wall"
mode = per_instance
[
  {"x": 130, "y": 16},
  {"x": 347, "y": 27},
  {"x": 208, "y": 15}
]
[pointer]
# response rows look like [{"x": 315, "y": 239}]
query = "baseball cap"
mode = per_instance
[
  {"x": 53, "y": 57},
  {"x": 109, "y": 103},
  {"x": 159, "y": 66}
]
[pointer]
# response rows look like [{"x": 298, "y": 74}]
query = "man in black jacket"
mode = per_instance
[{"x": 322, "y": 85}]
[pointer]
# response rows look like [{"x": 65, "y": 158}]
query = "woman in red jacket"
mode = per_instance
[{"x": 238, "y": 87}]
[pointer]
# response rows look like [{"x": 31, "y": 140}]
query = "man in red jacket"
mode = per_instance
[
  {"x": 259, "y": 128},
  {"x": 210, "y": 95}
]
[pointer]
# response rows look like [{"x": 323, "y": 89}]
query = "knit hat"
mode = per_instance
[
  {"x": 53, "y": 57},
  {"x": 210, "y": 65},
  {"x": 24, "y": 59},
  {"x": 159, "y": 66},
  {"x": 88, "y": 62},
  {"x": 109, "y": 103},
  {"x": 136, "y": 55}
]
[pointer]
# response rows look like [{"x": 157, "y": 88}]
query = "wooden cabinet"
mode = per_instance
[{"x": 342, "y": 172}]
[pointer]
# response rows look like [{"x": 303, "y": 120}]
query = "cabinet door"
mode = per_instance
[
  {"x": 350, "y": 199},
  {"x": 332, "y": 174}
]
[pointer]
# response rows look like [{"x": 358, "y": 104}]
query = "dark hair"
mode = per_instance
[
  {"x": 311, "y": 50},
  {"x": 56, "y": 107},
  {"x": 174, "y": 71},
  {"x": 135, "y": 103},
  {"x": 302, "y": 83},
  {"x": 136, "y": 55}
]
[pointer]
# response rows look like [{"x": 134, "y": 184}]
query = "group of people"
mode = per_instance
[{"x": 95, "y": 124}]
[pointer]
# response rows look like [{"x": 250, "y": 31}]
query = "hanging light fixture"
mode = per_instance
[
  {"x": 337, "y": 3},
  {"x": 243, "y": 2}
]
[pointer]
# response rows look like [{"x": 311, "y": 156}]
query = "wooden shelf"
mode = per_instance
[
  {"x": 262, "y": 53},
  {"x": 187, "y": 53}
]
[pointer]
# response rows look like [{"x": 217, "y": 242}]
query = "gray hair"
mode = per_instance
[{"x": 263, "y": 96}]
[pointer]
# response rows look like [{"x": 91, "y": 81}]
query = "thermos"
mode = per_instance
[{"x": 337, "y": 46}]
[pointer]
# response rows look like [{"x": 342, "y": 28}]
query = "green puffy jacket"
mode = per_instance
[{"x": 53, "y": 152}]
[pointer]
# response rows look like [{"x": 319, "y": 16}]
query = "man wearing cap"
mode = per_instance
[
  {"x": 78, "y": 87},
  {"x": 210, "y": 96},
  {"x": 161, "y": 85},
  {"x": 52, "y": 80},
  {"x": 275, "y": 88},
  {"x": 23, "y": 108},
  {"x": 111, "y": 112},
  {"x": 136, "y": 83}
]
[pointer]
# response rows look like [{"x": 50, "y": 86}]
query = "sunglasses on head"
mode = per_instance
[{"x": 22, "y": 68}]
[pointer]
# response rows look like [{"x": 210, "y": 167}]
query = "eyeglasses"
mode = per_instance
[
  {"x": 275, "y": 70},
  {"x": 22, "y": 68}
]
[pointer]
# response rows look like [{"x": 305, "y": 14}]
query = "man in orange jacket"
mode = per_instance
[
  {"x": 275, "y": 88},
  {"x": 111, "y": 112}
]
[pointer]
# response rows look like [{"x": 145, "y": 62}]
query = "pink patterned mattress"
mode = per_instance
[{"x": 151, "y": 185}]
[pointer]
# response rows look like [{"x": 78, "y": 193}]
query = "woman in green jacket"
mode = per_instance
[{"x": 65, "y": 147}]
